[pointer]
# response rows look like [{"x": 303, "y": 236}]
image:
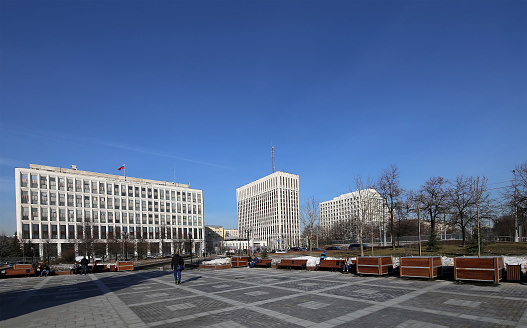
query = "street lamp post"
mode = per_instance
[
  {"x": 190, "y": 238},
  {"x": 516, "y": 236}
]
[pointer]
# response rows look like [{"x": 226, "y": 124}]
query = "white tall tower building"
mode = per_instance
[
  {"x": 63, "y": 209},
  {"x": 268, "y": 211}
]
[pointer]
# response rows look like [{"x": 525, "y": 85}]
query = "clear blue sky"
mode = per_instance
[{"x": 340, "y": 88}]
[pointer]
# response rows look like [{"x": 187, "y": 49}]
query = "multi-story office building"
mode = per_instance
[
  {"x": 365, "y": 205},
  {"x": 268, "y": 211},
  {"x": 85, "y": 212}
]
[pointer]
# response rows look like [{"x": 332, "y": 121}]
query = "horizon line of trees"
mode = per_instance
[{"x": 460, "y": 203}]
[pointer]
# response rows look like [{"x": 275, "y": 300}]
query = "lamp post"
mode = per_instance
[
  {"x": 190, "y": 238},
  {"x": 516, "y": 236}
]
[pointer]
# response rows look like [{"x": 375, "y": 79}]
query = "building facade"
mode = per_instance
[
  {"x": 348, "y": 211},
  {"x": 268, "y": 211},
  {"x": 93, "y": 213}
]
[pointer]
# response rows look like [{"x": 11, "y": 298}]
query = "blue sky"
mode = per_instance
[{"x": 340, "y": 88}]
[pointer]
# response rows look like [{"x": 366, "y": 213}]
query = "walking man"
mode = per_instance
[
  {"x": 84, "y": 265},
  {"x": 177, "y": 265}
]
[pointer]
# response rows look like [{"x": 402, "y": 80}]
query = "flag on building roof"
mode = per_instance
[{"x": 120, "y": 168}]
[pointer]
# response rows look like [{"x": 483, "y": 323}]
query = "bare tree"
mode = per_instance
[
  {"x": 414, "y": 201},
  {"x": 435, "y": 202},
  {"x": 461, "y": 201},
  {"x": 309, "y": 218},
  {"x": 389, "y": 188},
  {"x": 366, "y": 208}
]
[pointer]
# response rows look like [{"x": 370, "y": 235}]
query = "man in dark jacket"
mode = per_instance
[
  {"x": 177, "y": 265},
  {"x": 84, "y": 265}
]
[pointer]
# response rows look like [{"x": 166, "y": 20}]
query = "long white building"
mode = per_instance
[
  {"x": 66, "y": 209},
  {"x": 365, "y": 205},
  {"x": 268, "y": 211}
]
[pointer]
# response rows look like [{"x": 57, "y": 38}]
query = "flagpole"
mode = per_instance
[{"x": 124, "y": 170}]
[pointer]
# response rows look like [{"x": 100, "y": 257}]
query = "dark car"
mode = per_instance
[
  {"x": 297, "y": 249},
  {"x": 316, "y": 249},
  {"x": 333, "y": 248},
  {"x": 356, "y": 247}
]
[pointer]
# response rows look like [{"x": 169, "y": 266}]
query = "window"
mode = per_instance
[
  {"x": 117, "y": 203},
  {"x": 25, "y": 231},
  {"x": 34, "y": 197},
  {"x": 25, "y": 213},
  {"x": 70, "y": 200},
  {"x": 34, "y": 181},
  {"x": 130, "y": 191},
  {"x": 44, "y": 214},
  {"x": 110, "y": 203},
  {"x": 103, "y": 217},
  {"x": 25, "y": 197},
  {"x": 87, "y": 215},
  {"x": 79, "y": 215},
  {"x": 110, "y": 217},
  {"x": 136, "y": 191},
  {"x": 86, "y": 186},
  {"x": 94, "y": 187},
  {"x": 62, "y": 214},
  {"x": 78, "y": 201},
  {"x": 34, "y": 213},
  {"x": 87, "y": 201},
  {"x": 70, "y": 184},
  {"x": 45, "y": 231},
  {"x": 78, "y": 185},
  {"x": 101, "y": 188},
  {"x": 62, "y": 199},
  {"x": 43, "y": 182},
  {"x": 62, "y": 231},
  {"x": 62, "y": 184},
  {"x": 53, "y": 214},
  {"x": 71, "y": 215},
  {"x": 109, "y": 189},
  {"x": 23, "y": 183},
  {"x": 54, "y": 231}
]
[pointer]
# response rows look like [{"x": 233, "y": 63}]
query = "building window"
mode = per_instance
[
  {"x": 23, "y": 183},
  {"x": 34, "y": 213},
  {"x": 62, "y": 184},
  {"x": 34, "y": 197},
  {"x": 45, "y": 231},
  {"x": 43, "y": 182},
  {"x": 44, "y": 214},
  {"x": 78, "y": 185},
  {"x": 25, "y": 197},
  {"x": 62, "y": 199},
  {"x": 25, "y": 231},
  {"x": 70, "y": 200},
  {"x": 70, "y": 184},
  {"x": 25, "y": 213},
  {"x": 62, "y": 231},
  {"x": 34, "y": 181}
]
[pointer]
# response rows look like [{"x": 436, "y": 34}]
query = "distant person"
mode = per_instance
[
  {"x": 253, "y": 261},
  {"x": 177, "y": 265},
  {"x": 45, "y": 271},
  {"x": 346, "y": 267},
  {"x": 323, "y": 256},
  {"x": 84, "y": 265}
]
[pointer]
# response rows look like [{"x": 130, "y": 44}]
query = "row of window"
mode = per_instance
[
  {"x": 98, "y": 187},
  {"x": 45, "y": 214},
  {"x": 85, "y": 201},
  {"x": 62, "y": 231}
]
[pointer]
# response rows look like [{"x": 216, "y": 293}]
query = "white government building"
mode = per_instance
[
  {"x": 366, "y": 204},
  {"x": 268, "y": 211},
  {"x": 65, "y": 207}
]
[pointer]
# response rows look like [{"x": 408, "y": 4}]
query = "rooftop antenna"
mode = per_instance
[{"x": 272, "y": 156}]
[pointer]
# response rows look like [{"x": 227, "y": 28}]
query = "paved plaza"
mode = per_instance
[{"x": 243, "y": 297}]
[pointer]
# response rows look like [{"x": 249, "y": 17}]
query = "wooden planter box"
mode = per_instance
[
  {"x": 420, "y": 267},
  {"x": 239, "y": 261},
  {"x": 376, "y": 265},
  {"x": 486, "y": 268},
  {"x": 125, "y": 266}
]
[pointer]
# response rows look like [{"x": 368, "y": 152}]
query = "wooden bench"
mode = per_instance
[
  {"x": 125, "y": 266},
  {"x": 263, "y": 263},
  {"x": 20, "y": 270},
  {"x": 333, "y": 264},
  {"x": 291, "y": 263}
]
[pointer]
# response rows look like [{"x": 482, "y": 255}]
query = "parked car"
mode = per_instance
[
  {"x": 333, "y": 248},
  {"x": 356, "y": 247},
  {"x": 316, "y": 249},
  {"x": 281, "y": 251}
]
